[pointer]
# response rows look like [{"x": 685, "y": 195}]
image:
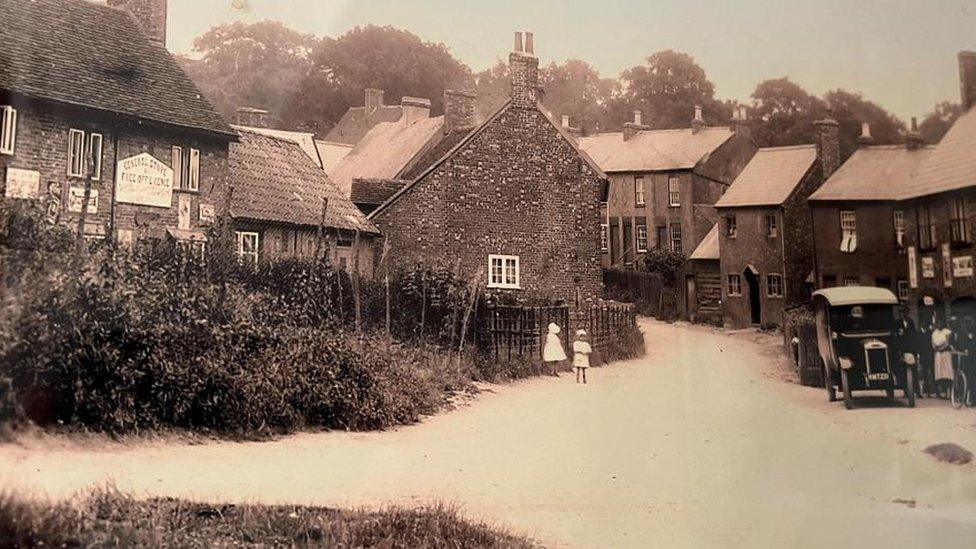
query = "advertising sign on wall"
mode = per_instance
[
  {"x": 23, "y": 183},
  {"x": 928, "y": 267},
  {"x": 946, "y": 266},
  {"x": 912, "y": 267},
  {"x": 962, "y": 267},
  {"x": 76, "y": 196},
  {"x": 144, "y": 180}
]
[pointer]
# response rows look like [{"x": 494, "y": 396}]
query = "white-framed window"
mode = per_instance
[
  {"x": 774, "y": 285},
  {"x": 734, "y": 284},
  {"x": 958, "y": 220},
  {"x": 639, "y": 190},
  {"x": 186, "y": 168},
  {"x": 76, "y": 153},
  {"x": 674, "y": 191},
  {"x": 848, "y": 231},
  {"x": 731, "y": 226},
  {"x": 503, "y": 271},
  {"x": 8, "y": 129},
  {"x": 902, "y": 289},
  {"x": 604, "y": 237},
  {"x": 641, "y": 238},
  {"x": 772, "y": 226},
  {"x": 95, "y": 141},
  {"x": 247, "y": 247},
  {"x": 676, "y": 237},
  {"x": 898, "y": 218},
  {"x": 852, "y": 281}
]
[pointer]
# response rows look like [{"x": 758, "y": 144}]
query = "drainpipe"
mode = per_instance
[{"x": 113, "y": 236}]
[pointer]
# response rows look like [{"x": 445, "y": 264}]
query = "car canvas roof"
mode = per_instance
[{"x": 857, "y": 295}]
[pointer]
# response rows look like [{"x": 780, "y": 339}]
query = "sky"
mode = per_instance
[{"x": 899, "y": 54}]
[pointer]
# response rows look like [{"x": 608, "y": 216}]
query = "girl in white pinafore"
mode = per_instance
[
  {"x": 581, "y": 355},
  {"x": 553, "y": 353}
]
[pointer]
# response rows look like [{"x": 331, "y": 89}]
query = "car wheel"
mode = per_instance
[
  {"x": 845, "y": 385},
  {"x": 828, "y": 383},
  {"x": 958, "y": 391},
  {"x": 910, "y": 386}
]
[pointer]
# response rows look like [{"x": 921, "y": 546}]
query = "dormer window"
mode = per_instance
[{"x": 8, "y": 129}]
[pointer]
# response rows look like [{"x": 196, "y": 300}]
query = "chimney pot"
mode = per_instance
[
  {"x": 914, "y": 140},
  {"x": 529, "y": 45},
  {"x": 638, "y": 118},
  {"x": 518, "y": 42},
  {"x": 865, "y": 138},
  {"x": 698, "y": 123},
  {"x": 524, "y": 69},
  {"x": 252, "y": 117},
  {"x": 565, "y": 120},
  {"x": 414, "y": 109}
]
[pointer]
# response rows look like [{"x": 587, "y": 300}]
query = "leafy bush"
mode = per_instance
[{"x": 666, "y": 263}]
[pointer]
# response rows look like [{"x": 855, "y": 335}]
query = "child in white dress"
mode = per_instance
[
  {"x": 581, "y": 355},
  {"x": 553, "y": 353}
]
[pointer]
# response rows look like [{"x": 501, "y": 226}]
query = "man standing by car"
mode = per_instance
[{"x": 909, "y": 342}]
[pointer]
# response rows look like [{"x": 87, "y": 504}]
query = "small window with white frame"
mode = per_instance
[
  {"x": 898, "y": 218},
  {"x": 186, "y": 168},
  {"x": 95, "y": 141},
  {"x": 676, "y": 237},
  {"x": 503, "y": 271},
  {"x": 734, "y": 284},
  {"x": 902, "y": 289},
  {"x": 641, "y": 238},
  {"x": 848, "y": 230},
  {"x": 604, "y": 237},
  {"x": 247, "y": 247},
  {"x": 772, "y": 226},
  {"x": 8, "y": 129},
  {"x": 639, "y": 190},
  {"x": 674, "y": 191},
  {"x": 76, "y": 153},
  {"x": 774, "y": 285}
]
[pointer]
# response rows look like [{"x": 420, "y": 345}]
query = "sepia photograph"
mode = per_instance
[{"x": 506, "y": 273}]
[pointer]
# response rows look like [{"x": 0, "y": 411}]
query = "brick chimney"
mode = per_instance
[
  {"x": 568, "y": 127},
  {"x": 967, "y": 78},
  {"x": 633, "y": 128},
  {"x": 865, "y": 138},
  {"x": 698, "y": 122},
  {"x": 913, "y": 139},
  {"x": 252, "y": 117},
  {"x": 373, "y": 100},
  {"x": 524, "y": 68},
  {"x": 828, "y": 146},
  {"x": 151, "y": 15},
  {"x": 740, "y": 121},
  {"x": 414, "y": 109},
  {"x": 458, "y": 110}
]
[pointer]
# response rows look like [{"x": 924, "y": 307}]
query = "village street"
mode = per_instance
[{"x": 700, "y": 444}]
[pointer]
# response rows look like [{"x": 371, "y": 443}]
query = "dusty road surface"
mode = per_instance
[{"x": 701, "y": 444}]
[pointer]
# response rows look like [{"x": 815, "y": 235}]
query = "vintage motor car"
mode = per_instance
[{"x": 858, "y": 340}]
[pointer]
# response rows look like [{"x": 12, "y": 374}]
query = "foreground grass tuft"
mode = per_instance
[{"x": 110, "y": 519}]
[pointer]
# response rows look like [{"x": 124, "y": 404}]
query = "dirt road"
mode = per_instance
[{"x": 701, "y": 444}]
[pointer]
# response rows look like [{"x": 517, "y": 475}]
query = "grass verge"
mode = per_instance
[{"x": 109, "y": 519}]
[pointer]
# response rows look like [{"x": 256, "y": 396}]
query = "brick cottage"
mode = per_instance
[
  {"x": 765, "y": 229},
  {"x": 514, "y": 202},
  {"x": 93, "y": 79}
]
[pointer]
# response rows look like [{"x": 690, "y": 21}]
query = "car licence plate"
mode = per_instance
[{"x": 877, "y": 377}]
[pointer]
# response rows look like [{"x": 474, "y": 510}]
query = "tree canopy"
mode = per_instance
[
  {"x": 667, "y": 89},
  {"x": 937, "y": 123}
]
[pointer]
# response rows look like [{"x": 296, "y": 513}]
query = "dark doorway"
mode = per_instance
[
  {"x": 755, "y": 305},
  {"x": 628, "y": 243}
]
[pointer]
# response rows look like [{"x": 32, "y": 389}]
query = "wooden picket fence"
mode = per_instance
[{"x": 515, "y": 331}]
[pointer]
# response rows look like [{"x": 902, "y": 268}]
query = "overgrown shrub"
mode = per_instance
[{"x": 664, "y": 262}]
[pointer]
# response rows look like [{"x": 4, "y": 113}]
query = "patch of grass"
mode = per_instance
[{"x": 109, "y": 519}]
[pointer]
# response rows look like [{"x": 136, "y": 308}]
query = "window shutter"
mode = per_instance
[
  {"x": 194, "y": 180},
  {"x": 177, "y": 165},
  {"x": 8, "y": 130},
  {"x": 95, "y": 150}
]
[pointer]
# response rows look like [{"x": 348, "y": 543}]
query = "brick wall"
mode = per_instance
[
  {"x": 516, "y": 188},
  {"x": 751, "y": 247},
  {"x": 42, "y": 145},
  {"x": 877, "y": 257}
]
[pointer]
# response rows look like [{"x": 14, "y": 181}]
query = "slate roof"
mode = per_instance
[
  {"x": 770, "y": 177},
  {"x": 708, "y": 248},
  {"x": 274, "y": 180},
  {"x": 373, "y": 192},
  {"x": 653, "y": 150},
  {"x": 81, "y": 53},
  {"x": 874, "y": 173},
  {"x": 951, "y": 165},
  {"x": 355, "y": 124},
  {"x": 385, "y": 150},
  {"x": 425, "y": 158}
]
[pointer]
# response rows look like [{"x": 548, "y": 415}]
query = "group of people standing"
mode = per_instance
[
  {"x": 554, "y": 355},
  {"x": 937, "y": 345}
]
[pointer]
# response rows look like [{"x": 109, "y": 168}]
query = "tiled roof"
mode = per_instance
[
  {"x": 874, "y": 173},
  {"x": 355, "y": 124},
  {"x": 274, "y": 180},
  {"x": 420, "y": 163},
  {"x": 708, "y": 247},
  {"x": 952, "y": 164},
  {"x": 653, "y": 150},
  {"x": 304, "y": 140},
  {"x": 373, "y": 192},
  {"x": 82, "y": 53},
  {"x": 385, "y": 150},
  {"x": 332, "y": 154},
  {"x": 770, "y": 177}
]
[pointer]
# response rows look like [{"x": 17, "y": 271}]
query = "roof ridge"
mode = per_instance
[{"x": 788, "y": 147}]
